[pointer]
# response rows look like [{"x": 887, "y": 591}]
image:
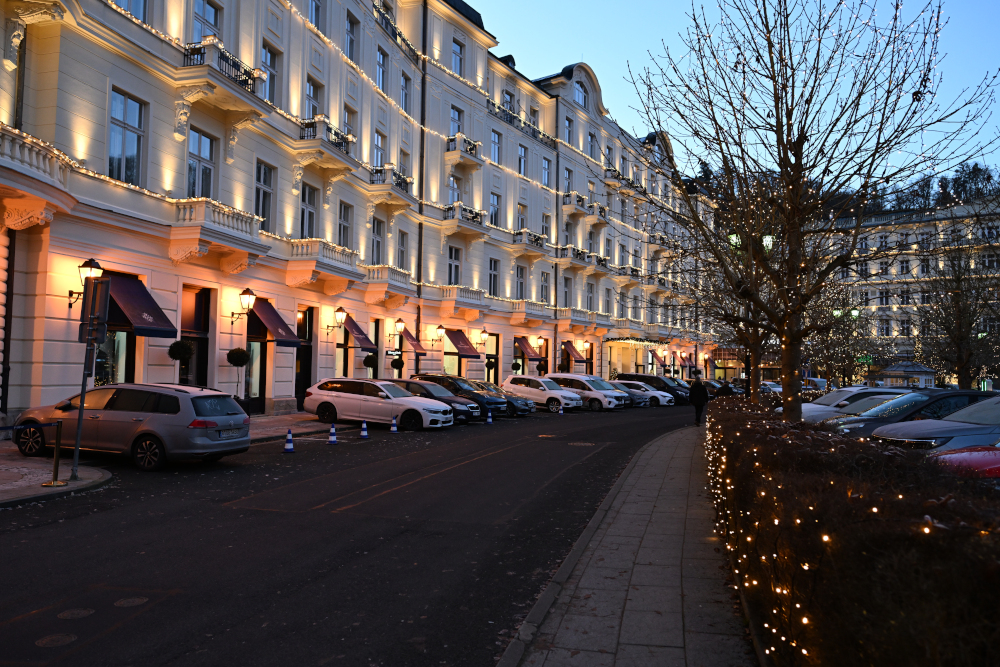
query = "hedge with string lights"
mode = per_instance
[{"x": 848, "y": 553}]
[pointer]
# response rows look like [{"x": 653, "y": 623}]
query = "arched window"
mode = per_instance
[{"x": 580, "y": 94}]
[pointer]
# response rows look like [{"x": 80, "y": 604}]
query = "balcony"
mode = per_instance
[
  {"x": 464, "y": 221},
  {"x": 460, "y": 151},
  {"x": 312, "y": 260},
  {"x": 508, "y": 116},
  {"x": 572, "y": 258},
  {"x": 597, "y": 216},
  {"x": 388, "y": 286},
  {"x": 574, "y": 205},
  {"x": 34, "y": 173},
  {"x": 384, "y": 19},
  {"x": 391, "y": 188},
  {"x": 461, "y": 301},
  {"x": 612, "y": 177},
  {"x": 327, "y": 147},
  {"x": 625, "y": 276},
  {"x": 576, "y": 320},
  {"x": 601, "y": 264},
  {"x": 203, "y": 226},
  {"x": 529, "y": 244},
  {"x": 529, "y": 313},
  {"x": 210, "y": 72}
]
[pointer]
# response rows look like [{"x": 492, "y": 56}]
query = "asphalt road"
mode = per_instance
[{"x": 404, "y": 549}]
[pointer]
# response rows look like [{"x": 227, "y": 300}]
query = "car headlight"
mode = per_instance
[
  {"x": 851, "y": 427},
  {"x": 433, "y": 411},
  {"x": 459, "y": 406},
  {"x": 937, "y": 442}
]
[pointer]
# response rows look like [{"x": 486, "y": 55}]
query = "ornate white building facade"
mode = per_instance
[{"x": 325, "y": 155}]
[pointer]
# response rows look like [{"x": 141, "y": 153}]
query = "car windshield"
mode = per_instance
[
  {"x": 865, "y": 404},
  {"x": 682, "y": 383},
  {"x": 436, "y": 389},
  {"x": 642, "y": 386},
  {"x": 986, "y": 413},
  {"x": 895, "y": 406},
  {"x": 215, "y": 406},
  {"x": 462, "y": 384},
  {"x": 549, "y": 384},
  {"x": 599, "y": 384},
  {"x": 394, "y": 391},
  {"x": 833, "y": 397},
  {"x": 619, "y": 386}
]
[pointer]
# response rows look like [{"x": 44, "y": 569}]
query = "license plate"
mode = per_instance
[{"x": 229, "y": 433}]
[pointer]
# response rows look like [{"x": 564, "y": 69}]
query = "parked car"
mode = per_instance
[
  {"x": 814, "y": 383},
  {"x": 656, "y": 397},
  {"x": 916, "y": 406},
  {"x": 833, "y": 404},
  {"x": 672, "y": 386},
  {"x": 152, "y": 423},
  {"x": 347, "y": 399},
  {"x": 489, "y": 402},
  {"x": 543, "y": 391},
  {"x": 972, "y": 426},
  {"x": 595, "y": 392},
  {"x": 981, "y": 462},
  {"x": 517, "y": 405},
  {"x": 634, "y": 397},
  {"x": 463, "y": 410},
  {"x": 773, "y": 386}
]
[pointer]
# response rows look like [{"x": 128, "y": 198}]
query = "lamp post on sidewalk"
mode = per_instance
[{"x": 93, "y": 331}]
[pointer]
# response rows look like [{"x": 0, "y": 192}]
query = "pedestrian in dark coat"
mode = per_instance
[
  {"x": 725, "y": 390},
  {"x": 698, "y": 398}
]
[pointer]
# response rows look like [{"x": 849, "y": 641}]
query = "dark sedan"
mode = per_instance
[
  {"x": 676, "y": 388},
  {"x": 488, "y": 401},
  {"x": 915, "y": 406},
  {"x": 464, "y": 410},
  {"x": 517, "y": 405},
  {"x": 636, "y": 398}
]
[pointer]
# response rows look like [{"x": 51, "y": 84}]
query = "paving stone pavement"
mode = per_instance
[{"x": 650, "y": 587}]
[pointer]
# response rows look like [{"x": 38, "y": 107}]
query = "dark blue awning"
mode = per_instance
[
  {"x": 140, "y": 308},
  {"x": 284, "y": 335}
]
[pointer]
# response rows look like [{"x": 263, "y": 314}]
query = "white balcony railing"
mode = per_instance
[
  {"x": 26, "y": 155},
  {"x": 461, "y": 293},
  {"x": 388, "y": 274},
  {"x": 192, "y": 212},
  {"x": 323, "y": 251}
]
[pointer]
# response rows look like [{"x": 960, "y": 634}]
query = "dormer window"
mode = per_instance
[{"x": 580, "y": 94}]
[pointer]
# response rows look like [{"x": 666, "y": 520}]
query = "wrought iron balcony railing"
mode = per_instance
[
  {"x": 232, "y": 67},
  {"x": 511, "y": 118}
]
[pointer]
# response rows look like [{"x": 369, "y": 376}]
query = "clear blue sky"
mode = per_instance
[{"x": 544, "y": 36}]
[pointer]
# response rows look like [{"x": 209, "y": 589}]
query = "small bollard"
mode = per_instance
[{"x": 55, "y": 464}]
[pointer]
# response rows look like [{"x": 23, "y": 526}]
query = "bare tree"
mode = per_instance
[{"x": 795, "y": 103}]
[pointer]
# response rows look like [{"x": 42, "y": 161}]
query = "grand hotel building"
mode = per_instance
[{"x": 326, "y": 155}]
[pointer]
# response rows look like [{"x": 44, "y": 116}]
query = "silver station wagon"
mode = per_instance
[{"x": 152, "y": 423}]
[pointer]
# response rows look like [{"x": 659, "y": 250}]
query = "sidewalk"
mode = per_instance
[
  {"x": 21, "y": 477},
  {"x": 269, "y": 427},
  {"x": 649, "y": 586}
]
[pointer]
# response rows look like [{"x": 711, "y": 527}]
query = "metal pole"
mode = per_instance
[
  {"x": 83, "y": 383},
  {"x": 55, "y": 465}
]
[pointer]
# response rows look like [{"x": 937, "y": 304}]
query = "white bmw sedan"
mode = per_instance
[{"x": 347, "y": 399}]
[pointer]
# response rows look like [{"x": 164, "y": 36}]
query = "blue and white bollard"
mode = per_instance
[
  {"x": 560, "y": 407},
  {"x": 489, "y": 416},
  {"x": 289, "y": 445},
  {"x": 332, "y": 440},
  {"x": 364, "y": 429},
  {"x": 393, "y": 428}
]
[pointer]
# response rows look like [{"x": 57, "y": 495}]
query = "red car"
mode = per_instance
[{"x": 981, "y": 462}]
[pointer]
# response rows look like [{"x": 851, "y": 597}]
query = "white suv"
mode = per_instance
[
  {"x": 656, "y": 397},
  {"x": 592, "y": 390},
  {"x": 543, "y": 390},
  {"x": 347, "y": 399}
]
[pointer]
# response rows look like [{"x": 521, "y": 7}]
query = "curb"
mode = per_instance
[
  {"x": 526, "y": 632},
  {"x": 60, "y": 492},
  {"x": 267, "y": 438}
]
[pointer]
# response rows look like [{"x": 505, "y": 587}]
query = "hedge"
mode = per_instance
[{"x": 853, "y": 554}]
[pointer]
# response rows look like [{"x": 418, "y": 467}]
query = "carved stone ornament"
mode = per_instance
[
  {"x": 237, "y": 262},
  {"x": 23, "y": 213},
  {"x": 15, "y": 35},
  {"x": 336, "y": 285},
  {"x": 186, "y": 250},
  {"x": 297, "y": 171},
  {"x": 328, "y": 192},
  {"x": 236, "y": 123},
  {"x": 182, "y": 107},
  {"x": 301, "y": 278}
]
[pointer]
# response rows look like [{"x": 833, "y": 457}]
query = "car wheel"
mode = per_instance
[
  {"x": 411, "y": 421},
  {"x": 31, "y": 442},
  {"x": 595, "y": 405},
  {"x": 654, "y": 402},
  {"x": 511, "y": 410},
  {"x": 553, "y": 404},
  {"x": 327, "y": 413},
  {"x": 148, "y": 454}
]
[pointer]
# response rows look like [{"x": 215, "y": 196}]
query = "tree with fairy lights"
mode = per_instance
[{"x": 807, "y": 112}]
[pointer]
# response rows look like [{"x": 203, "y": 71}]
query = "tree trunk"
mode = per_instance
[
  {"x": 753, "y": 377},
  {"x": 791, "y": 365}
]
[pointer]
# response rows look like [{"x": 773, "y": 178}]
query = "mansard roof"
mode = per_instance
[{"x": 568, "y": 73}]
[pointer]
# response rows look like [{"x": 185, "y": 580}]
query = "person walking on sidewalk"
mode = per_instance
[
  {"x": 725, "y": 390},
  {"x": 698, "y": 398}
]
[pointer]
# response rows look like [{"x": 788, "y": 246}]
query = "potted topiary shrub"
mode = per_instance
[
  {"x": 370, "y": 360},
  {"x": 515, "y": 367},
  {"x": 239, "y": 358},
  {"x": 563, "y": 367},
  {"x": 397, "y": 363},
  {"x": 491, "y": 364},
  {"x": 181, "y": 350},
  {"x": 542, "y": 366}
]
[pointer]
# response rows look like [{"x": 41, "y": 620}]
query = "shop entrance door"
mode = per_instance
[{"x": 255, "y": 372}]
